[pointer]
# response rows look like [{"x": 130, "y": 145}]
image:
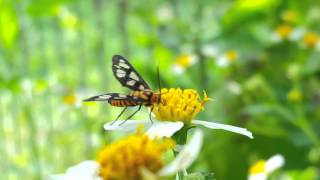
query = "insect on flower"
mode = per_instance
[{"x": 141, "y": 94}]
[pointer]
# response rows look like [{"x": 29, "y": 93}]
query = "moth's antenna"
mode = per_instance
[{"x": 159, "y": 83}]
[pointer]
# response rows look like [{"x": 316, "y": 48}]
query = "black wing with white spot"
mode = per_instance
[
  {"x": 127, "y": 75},
  {"x": 115, "y": 98},
  {"x": 110, "y": 96},
  {"x": 106, "y": 97}
]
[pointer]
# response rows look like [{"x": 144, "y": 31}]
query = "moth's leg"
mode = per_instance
[
  {"x": 131, "y": 115},
  {"x": 150, "y": 117},
  {"x": 124, "y": 109}
]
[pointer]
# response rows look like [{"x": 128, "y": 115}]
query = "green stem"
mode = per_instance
[{"x": 181, "y": 138}]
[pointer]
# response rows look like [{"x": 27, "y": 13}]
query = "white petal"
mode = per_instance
[
  {"x": 128, "y": 126},
  {"x": 222, "y": 61},
  {"x": 274, "y": 163},
  {"x": 318, "y": 46},
  {"x": 187, "y": 155},
  {"x": 260, "y": 176},
  {"x": 164, "y": 128},
  {"x": 276, "y": 38},
  {"x": 210, "y": 50},
  {"x": 178, "y": 147},
  {"x": 297, "y": 34},
  {"x": 234, "y": 87},
  {"x": 86, "y": 170},
  {"x": 194, "y": 59},
  {"x": 234, "y": 129},
  {"x": 178, "y": 69}
]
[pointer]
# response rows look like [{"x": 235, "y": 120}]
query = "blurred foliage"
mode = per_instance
[{"x": 259, "y": 60}]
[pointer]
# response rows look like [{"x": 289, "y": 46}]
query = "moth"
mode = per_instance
[{"x": 141, "y": 94}]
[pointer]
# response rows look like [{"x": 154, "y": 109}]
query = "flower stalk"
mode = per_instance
[{"x": 180, "y": 138}]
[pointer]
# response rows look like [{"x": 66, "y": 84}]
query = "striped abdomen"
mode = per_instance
[{"x": 136, "y": 98}]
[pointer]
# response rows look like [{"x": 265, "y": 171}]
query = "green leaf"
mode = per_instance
[{"x": 8, "y": 25}]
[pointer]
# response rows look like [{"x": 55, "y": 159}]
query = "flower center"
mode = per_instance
[
  {"x": 231, "y": 55},
  {"x": 289, "y": 16},
  {"x": 179, "y": 105},
  {"x": 185, "y": 61},
  {"x": 284, "y": 30},
  {"x": 126, "y": 158},
  {"x": 258, "y": 167},
  {"x": 310, "y": 39},
  {"x": 70, "y": 99}
]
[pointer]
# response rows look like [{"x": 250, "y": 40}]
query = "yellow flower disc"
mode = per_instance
[
  {"x": 258, "y": 167},
  {"x": 126, "y": 158},
  {"x": 310, "y": 39},
  {"x": 179, "y": 105},
  {"x": 231, "y": 55},
  {"x": 185, "y": 61},
  {"x": 289, "y": 16},
  {"x": 284, "y": 30},
  {"x": 70, "y": 99}
]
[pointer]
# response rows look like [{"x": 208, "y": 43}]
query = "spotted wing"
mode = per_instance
[
  {"x": 127, "y": 75},
  {"x": 116, "y": 96},
  {"x": 107, "y": 97}
]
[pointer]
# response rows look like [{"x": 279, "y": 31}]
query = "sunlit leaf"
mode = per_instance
[{"x": 8, "y": 24}]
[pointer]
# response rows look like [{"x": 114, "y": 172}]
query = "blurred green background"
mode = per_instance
[{"x": 258, "y": 60}]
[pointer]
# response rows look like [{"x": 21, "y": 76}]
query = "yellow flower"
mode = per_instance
[
  {"x": 289, "y": 16},
  {"x": 70, "y": 99},
  {"x": 179, "y": 105},
  {"x": 231, "y": 55},
  {"x": 227, "y": 58},
  {"x": 311, "y": 39},
  {"x": 184, "y": 61},
  {"x": 294, "y": 95},
  {"x": 284, "y": 31},
  {"x": 258, "y": 167},
  {"x": 137, "y": 157},
  {"x": 261, "y": 169},
  {"x": 126, "y": 158}
]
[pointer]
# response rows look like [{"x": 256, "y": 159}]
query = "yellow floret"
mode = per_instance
[
  {"x": 126, "y": 158},
  {"x": 179, "y": 105}
]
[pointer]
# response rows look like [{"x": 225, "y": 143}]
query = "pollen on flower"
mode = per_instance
[
  {"x": 70, "y": 99},
  {"x": 310, "y": 39},
  {"x": 231, "y": 55},
  {"x": 179, "y": 105},
  {"x": 258, "y": 167},
  {"x": 289, "y": 16},
  {"x": 185, "y": 60},
  {"x": 284, "y": 31},
  {"x": 126, "y": 158}
]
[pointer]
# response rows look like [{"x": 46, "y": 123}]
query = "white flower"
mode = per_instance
[
  {"x": 210, "y": 50},
  {"x": 184, "y": 61},
  {"x": 283, "y": 32},
  {"x": 228, "y": 57},
  {"x": 234, "y": 87},
  {"x": 165, "y": 13},
  {"x": 261, "y": 169},
  {"x": 88, "y": 170}
]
